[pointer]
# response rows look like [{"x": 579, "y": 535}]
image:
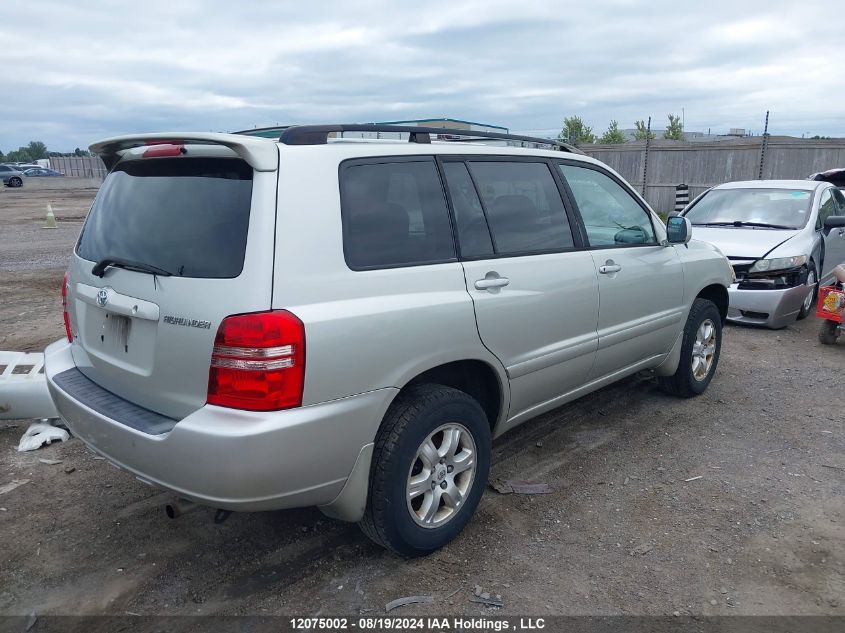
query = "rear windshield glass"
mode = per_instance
[
  {"x": 189, "y": 216},
  {"x": 769, "y": 208}
]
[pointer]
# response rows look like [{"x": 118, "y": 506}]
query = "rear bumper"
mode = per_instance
[
  {"x": 769, "y": 308},
  {"x": 23, "y": 387},
  {"x": 230, "y": 459}
]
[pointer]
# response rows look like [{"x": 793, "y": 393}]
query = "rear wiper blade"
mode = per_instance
[
  {"x": 99, "y": 268},
  {"x": 741, "y": 223}
]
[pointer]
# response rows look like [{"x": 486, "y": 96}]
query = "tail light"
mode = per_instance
[
  {"x": 258, "y": 362},
  {"x": 64, "y": 309}
]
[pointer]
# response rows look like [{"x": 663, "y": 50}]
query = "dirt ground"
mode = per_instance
[{"x": 730, "y": 503}]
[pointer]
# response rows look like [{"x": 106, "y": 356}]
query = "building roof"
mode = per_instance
[
  {"x": 276, "y": 131},
  {"x": 443, "y": 120}
]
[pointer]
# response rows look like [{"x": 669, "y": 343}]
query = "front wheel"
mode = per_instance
[
  {"x": 828, "y": 332},
  {"x": 15, "y": 182},
  {"x": 430, "y": 465},
  {"x": 700, "y": 348},
  {"x": 812, "y": 283}
]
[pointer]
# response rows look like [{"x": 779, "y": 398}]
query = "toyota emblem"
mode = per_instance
[{"x": 102, "y": 297}]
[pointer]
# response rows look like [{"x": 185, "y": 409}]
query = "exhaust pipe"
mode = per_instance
[{"x": 178, "y": 507}]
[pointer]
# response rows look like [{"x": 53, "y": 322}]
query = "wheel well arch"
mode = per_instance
[
  {"x": 718, "y": 294},
  {"x": 476, "y": 378}
]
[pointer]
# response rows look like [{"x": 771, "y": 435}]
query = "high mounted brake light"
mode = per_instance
[
  {"x": 258, "y": 362},
  {"x": 160, "y": 151},
  {"x": 64, "y": 309}
]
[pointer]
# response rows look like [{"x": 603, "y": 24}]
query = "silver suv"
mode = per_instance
[{"x": 258, "y": 324}]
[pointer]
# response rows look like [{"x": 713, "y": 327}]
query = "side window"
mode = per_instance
[
  {"x": 827, "y": 207},
  {"x": 394, "y": 214},
  {"x": 611, "y": 215},
  {"x": 840, "y": 201},
  {"x": 523, "y": 206},
  {"x": 473, "y": 234}
]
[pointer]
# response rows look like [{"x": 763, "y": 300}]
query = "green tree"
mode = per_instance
[
  {"x": 675, "y": 129},
  {"x": 576, "y": 132},
  {"x": 2, "y": 157},
  {"x": 613, "y": 134},
  {"x": 642, "y": 132},
  {"x": 20, "y": 155},
  {"x": 37, "y": 150}
]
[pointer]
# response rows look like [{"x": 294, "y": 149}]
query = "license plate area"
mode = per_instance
[
  {"x": 118, "y": 340},
  {"x": 115, "y": 333}
]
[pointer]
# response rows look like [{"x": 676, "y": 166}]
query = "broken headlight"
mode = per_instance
[
  {"x": 776, "y": 274},
  {"x": 778, "y": 263}
]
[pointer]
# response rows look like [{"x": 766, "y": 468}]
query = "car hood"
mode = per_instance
[{"x": 743, "y": 242}]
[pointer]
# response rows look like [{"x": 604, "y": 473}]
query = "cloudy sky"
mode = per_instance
[{"x": 74, "y": 72}]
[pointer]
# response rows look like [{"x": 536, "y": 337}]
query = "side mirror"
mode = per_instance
[
  {"x": 678, "y": 230},
  {"x": 834, "y": 222},
  {"x": 673, "y": 213}
]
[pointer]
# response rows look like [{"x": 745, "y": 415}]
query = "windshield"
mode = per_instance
[
  {"x": 186, "y": 216},
  {"x": 770, "y": 208}
]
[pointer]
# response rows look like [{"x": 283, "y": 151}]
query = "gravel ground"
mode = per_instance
[{"x": 730, "y": 503}]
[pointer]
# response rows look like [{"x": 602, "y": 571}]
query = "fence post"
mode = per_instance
[
  {"x": 645, "y": 155},
  {"x": 681, "y": 197},
  {"x": 763, "y": 147}
]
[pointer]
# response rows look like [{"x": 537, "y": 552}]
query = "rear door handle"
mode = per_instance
[
  {"x": 609, "y": 268},
  {"x": 489, "y": 283}
]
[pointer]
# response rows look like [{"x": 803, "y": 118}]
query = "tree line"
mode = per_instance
[
  {"x": 576, "y": 132},
  {"x": 35, "y": 151}
]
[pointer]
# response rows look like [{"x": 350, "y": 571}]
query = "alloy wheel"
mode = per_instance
[
  {"x": 703, "y": 350},
  {"x": 811, "y": 285},
  {"x": 441, "y": 475}
]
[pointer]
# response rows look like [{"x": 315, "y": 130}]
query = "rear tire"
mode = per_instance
[
  {"x": 810, "y": 301},
  {"x": 700, "y": 349},
  {"x": 828, "y": 332},
  {"x": 420, "y": 500}
]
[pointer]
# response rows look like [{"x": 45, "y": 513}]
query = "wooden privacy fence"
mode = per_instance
[
  {"x": 668, "y": 164},
  {"x": 704, "y": 165},
  {"x": 80, "y": 166}
]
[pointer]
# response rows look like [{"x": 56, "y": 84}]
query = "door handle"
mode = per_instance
[
  {"x": 609, "y": 267},
  {"x": 489, "y": 283}
]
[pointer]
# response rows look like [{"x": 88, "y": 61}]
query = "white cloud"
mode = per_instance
[{"x": 96, "y": 68}]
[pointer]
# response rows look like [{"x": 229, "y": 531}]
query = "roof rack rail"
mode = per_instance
[{"x": 319, "y": 134}]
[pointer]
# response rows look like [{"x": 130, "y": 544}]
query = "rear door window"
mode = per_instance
[
  {"x": 523, "y": 206},
  {"x": 394, "y": 214},
  {"x": 188, "y": 216},
  {"x": 611, "y": 215}
]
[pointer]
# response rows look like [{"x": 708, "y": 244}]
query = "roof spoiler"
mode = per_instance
[{"x": 261, "y": 154}]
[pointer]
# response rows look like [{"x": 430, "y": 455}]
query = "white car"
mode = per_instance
[{"x": 782, "y": 238}]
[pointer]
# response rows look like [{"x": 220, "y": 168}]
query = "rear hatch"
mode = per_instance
[{"x": 179, "y": 237}]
